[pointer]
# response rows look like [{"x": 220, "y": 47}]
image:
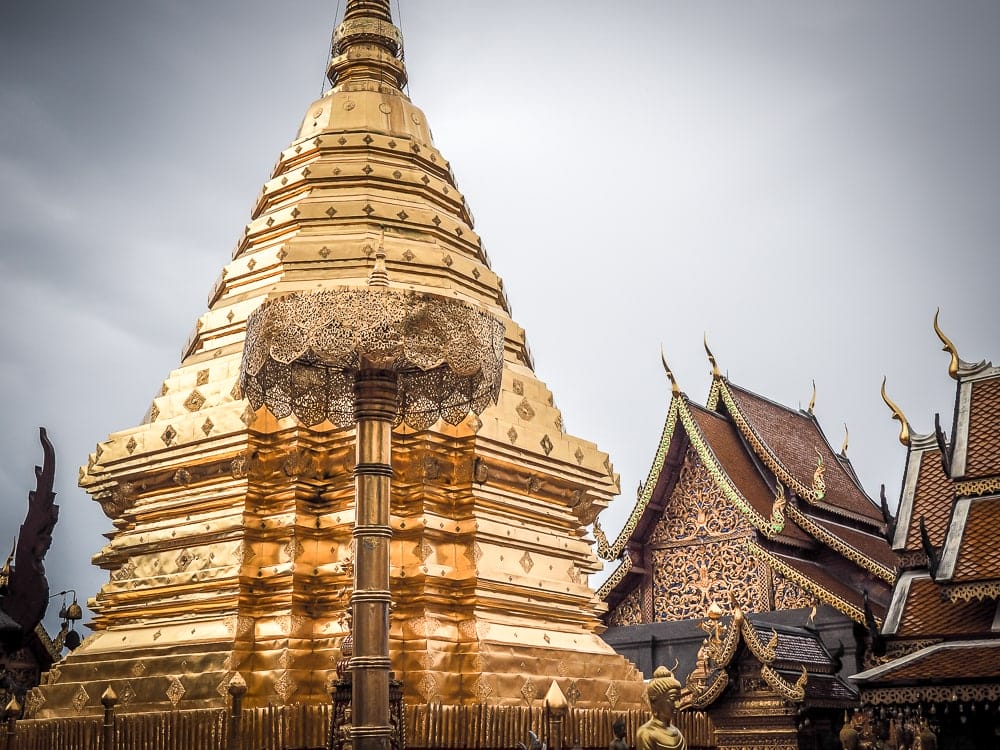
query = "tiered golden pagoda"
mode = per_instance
[{"x": 232, "y": 543}]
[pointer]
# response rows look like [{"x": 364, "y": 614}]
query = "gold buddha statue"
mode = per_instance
[{"x": 659, "y": 733}]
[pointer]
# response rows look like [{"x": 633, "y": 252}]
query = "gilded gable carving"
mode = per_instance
[
  {"x": 697, "y": 509},
  {"x": 788, "y": 594},
  {"x": 702, "y": 556},
  {"x": 629, "y": 612}
]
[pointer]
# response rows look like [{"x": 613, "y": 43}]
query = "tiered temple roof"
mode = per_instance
[
  {"x": 944, "y": 621},
  {"x": 746, "y": 498}
]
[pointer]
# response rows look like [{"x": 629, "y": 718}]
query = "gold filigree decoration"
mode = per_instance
[
  {"x": 616, "y": 577},
  {"x": 284, "y": 687},
  {"x": 175, "y": 691},
  {"x": 926, "y": 693},
  {"x": 524, "y": 410},
  {"x": 139, "y": 668},
  {"x": 777, "y": 511},
  {"x": 819, "y": 483},
  {"x": 169, "y": 436},
  {"x": 423, "y": 550},
  {"x": 80, "y": 699},
  {"x": 827, "y": 597},
  {"x": 967, "y": 592},
  {"x": 526, "y": 562},
  {"x": 528, "y": 691},
  {"x": 302, "y": 353},
  {"x": 795, "y": 693},
  {"x": 838, "y": 544},
  {"x": 788, "y": 595},
  {"x": 612, "y": 694},
  {"x": 128, "y": 694},
  {"x": 977, "y": 487},
  {"x": 194, "y": 401},
  {"x": 428, "y": 687},
  {"x": 512, "y": 435},
  {"x": 483, "y": 689},
  {"x": 547, "y": 445},
  {"x": 603, "y": 549},
  {"x": 629, "y": 611}
]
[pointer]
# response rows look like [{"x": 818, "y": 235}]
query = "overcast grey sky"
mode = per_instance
[{"x": 803, "y": 181}]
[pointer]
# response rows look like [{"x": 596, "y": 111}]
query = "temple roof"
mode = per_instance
[
  {"x": 792, "y": 444},
  {"x": 772, "y": 464},
  {"x": 962, "y": 660},
  {"x": 947, "y": 528}
]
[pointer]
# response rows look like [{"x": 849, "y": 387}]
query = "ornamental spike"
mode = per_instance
[
  {"x": 674, "y": 388},
  {"x": 897, "y": 413},
  {"x": 716, "y": 374},
  {"x": 948, "y": 347}
]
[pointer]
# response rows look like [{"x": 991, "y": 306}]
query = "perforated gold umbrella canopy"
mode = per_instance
[{"x": 303, "y": 352}]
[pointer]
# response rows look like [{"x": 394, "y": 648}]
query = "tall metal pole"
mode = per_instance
[{"x": 374, "y": 408}]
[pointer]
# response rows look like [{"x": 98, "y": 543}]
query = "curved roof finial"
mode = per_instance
[
  {"x": 843, "y": 447},
  {"x": 897, "y": 413},
  {"x": 716, "y": 374},
  {"x": 812, "y": 401},
  {"x": 367, "y": 46},
  {"x": 674, "y": 388},
  {"x": 948, "y": 347}
]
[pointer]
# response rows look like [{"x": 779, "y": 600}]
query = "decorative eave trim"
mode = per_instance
[
  {"x": 834, "y": 542},
  {"x": 613, "y": 551},
  {"x": 722, "y": 480},
  {"x": 895, "y": 696},
  {"x": 794, "y": 693},
  {"x": 827, "y": 597},
  {"x": 624, "y": 566},
  {"x": 977, "y": 487},
  {"x": 765, "y": 653},
  {"x": 43, "y": 636},
  {"x": 882, "y": 669},
  {"x": 967, "y": 592},
  {"x": 709, "y": 695}
]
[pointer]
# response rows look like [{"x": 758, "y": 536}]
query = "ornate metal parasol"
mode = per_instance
[{"x": 373, "y": 357}]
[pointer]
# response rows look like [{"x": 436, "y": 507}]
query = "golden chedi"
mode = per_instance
[{"x": 232, "y": 551}]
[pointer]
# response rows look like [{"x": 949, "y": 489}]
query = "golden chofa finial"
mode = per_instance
[
  {"x": 843, "y": 447},
  {"x": 716, "y": 374},
  {"x": 948, "y": 347},
  {"x": 897, "y": 413},
  {"x": 812, "y": 400},
  {"x": 379, "y": 275},
  {"x": 674, "y": 389}
]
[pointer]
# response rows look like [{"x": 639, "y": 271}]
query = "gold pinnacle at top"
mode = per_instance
[
  {"x": 948, "y": 347},
  {"x": 711, "y": 358},
  {"x": 897, "y": 413},
  {"x": 843, "y": 447},
  {"x": 812, "y": 401},
  {"x": 367, "y": 48}
]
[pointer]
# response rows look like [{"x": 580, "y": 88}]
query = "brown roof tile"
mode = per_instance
[
  {"x": 724, "y": 440},
  {"x": 932, "y": 499},
  {"x": 983, "y": 456},
  {"x": 956, "y": 661},
  {"x": 794, "y": 438},
  {"x": 927, "y": 615},
  {"x": 979, "y": 552}
]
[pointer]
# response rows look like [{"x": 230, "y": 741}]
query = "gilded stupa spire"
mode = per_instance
[{"x": 367, "y": 48}]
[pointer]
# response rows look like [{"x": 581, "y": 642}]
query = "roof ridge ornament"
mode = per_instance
[
  {"x": 897, "y": 413},
  {"x": 949, "y": 347},
  {"x": 716, "y": 373},
  {"x": 843, "y": 446},
  {"x": 812, "y": 401},
  {"x": 674, "y": 388}
]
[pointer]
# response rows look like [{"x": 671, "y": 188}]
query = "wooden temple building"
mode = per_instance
[
  {"x": 748, "y": 513},
  {"x": 941, "y": 634}
]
